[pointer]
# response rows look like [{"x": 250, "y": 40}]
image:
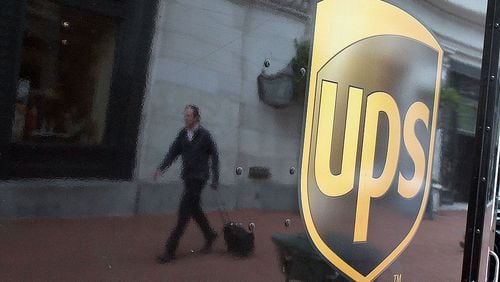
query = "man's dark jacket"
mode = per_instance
[{"x": 195, "y": 155}]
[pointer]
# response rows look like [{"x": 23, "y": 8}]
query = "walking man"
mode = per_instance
[{"x": 196, "y": 146}]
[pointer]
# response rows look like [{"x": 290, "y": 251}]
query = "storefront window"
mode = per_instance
[{"x": 65, "y": 77}]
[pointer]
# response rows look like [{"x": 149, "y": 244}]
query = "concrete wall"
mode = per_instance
[
  {"x": 65, "y": 198},
  {"x": 76, "y": 198},
  {"x": 210, "y": 54}
]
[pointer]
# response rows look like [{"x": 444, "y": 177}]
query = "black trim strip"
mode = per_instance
[{"x": 484, "y": 140}]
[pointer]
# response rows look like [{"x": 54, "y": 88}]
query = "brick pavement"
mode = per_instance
[{"x": 124, "y": 248}]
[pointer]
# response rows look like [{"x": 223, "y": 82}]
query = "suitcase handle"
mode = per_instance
[{"x": 220, "y": 206}]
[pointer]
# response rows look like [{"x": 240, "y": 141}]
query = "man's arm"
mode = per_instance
[
  {"x": 214, "y": 155},
  {"x": 174, "y": 151}
]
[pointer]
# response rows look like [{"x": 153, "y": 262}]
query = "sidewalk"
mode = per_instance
[{"x": 124, "y": 249}]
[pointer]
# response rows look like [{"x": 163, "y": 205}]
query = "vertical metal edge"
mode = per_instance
[{"x": 485, "y": 112}]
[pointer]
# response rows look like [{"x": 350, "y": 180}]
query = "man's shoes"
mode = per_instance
[
  {"x": 165, "y": 258},
  {"x": 209, "y": 243}
]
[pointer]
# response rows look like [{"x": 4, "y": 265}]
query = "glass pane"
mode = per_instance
[
  {"x": 227, "y": 105},
  {"x": 65, "y": 77}
]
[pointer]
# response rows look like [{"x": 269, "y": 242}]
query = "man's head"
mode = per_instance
[{"x": 191, "y": 116}]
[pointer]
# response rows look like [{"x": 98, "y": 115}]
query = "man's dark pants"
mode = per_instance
[{"x": 189, "y": 207}]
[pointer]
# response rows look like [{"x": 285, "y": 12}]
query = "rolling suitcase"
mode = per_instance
[{"x": 239, "y": 241}]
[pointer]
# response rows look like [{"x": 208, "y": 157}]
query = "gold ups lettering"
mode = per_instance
[{"x": 369, "y": 186}]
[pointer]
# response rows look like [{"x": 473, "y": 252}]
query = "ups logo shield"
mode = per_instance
[{"x": 369, "y": 133}]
